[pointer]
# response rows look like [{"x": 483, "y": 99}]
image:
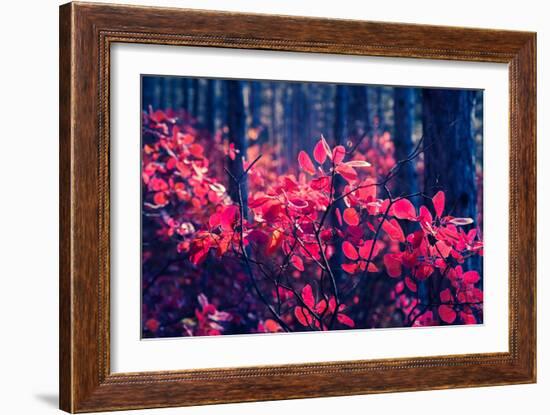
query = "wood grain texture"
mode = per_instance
[{"x": 86, "y": 33}]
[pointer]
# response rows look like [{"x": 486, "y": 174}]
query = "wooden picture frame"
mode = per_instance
[{"x": 86, "y": 33}]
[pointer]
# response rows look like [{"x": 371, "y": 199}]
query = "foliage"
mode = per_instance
[{"x": 323, "y": 245}]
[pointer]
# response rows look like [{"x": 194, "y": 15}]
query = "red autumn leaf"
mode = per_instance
[
  {"x": 345, "y": 320},
  {"x": 424, "y": 271},
  {"x": 404, "y": 209},
  {"x": 346, "y": 172},
  {"x": 157, "y": 184},
  {"x": 468, "y": 318},
  {"x": 272, "y": 326},
  {"x": 228, "y": 217},
  {"x": 257, "y": 202},
  {"x": 443, "y": 248},
  {"x": 447, "y": 314},
  {"x": 307, "y": 296},
  {"x": 351, "y": 217},
  {"x": 305, "y": 163},
  {"x": 439, "y": 203},
  {"x": 274, "y": 242},
  {"x": 470, "y": 277},
  {"x": 365, "y": 249},
  {"x": 410, "y": 284},
  {"x": 424, "y": 215},
  {"x": 321, "y": 151},
  {"x": 393, "y": 265},
  {"x": 196, "y": 150},
  {"x": 393, "y": 229},
  {"x": 349, "y": 251},
  {"x": 322, "y": 183},
  {"x": 160, "y": 199},
  {"x": 303, "y": 316},
  {"x": 326, "y": 235},
  {"x": 338, "y": 154},
  {"x": 320, "y": 307},
  {"x": 297, "y": 262},
  {"x": 350, "y": 268},
  {"x": 152, "y": 324},
  {"x": 215, "y": 220},
  {"x": 446, "y": 296}
]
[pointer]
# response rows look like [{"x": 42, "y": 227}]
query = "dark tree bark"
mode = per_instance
[
  {"x": 195, "y": 90},
  {"x": 255, "y": 103},
  {"x": 403, "y": 107},
  {"x": 185, "y": 94},
  {"x": 380, "y": 123},
  {"x": 341, "y": 104},
  {"x": 449, "y": 159},
  {"x": 236, "y": 123},
  {"x": 210, "y": 106},
  {"x": 359, "y": 117}
]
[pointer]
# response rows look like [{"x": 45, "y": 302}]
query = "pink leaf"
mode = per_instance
[
  {"x": 350, "y": 268},
  {"x": 393, "y": 265},
  {"x": 160, "y": 199},
  {"x": 411, "y": 285},
  {"x": 349, "y": 251},
  {"x": 228, "y": 216},
  {"x": 297, "y": 262},
  {"x": 351, "y": 217},
  {"x": 446, "y": 296},
  {"x": 272, "y": 326},
  {"x": 320, "y": 152},
  {"x": 447, "y": 314},
  {"x": 346, "y": 172},
  {"x": 443, "y": 248},
  {"x": 470, "y": 277},
  {"x": 307, "y": 296},
  {"x": 322, "y": 183},
  {"x": 305, "y": 163},
  {"x": 338, "y": 154},
  {"x": 303, "y": 316},
  {"x": 345, "y": 320},
  {"x": 215, "y": 220},
  {"x": 393, "y": 229},
  {"x": 439, "y": 203},
  {"x": 365, "y": 249},
  {"x": 404, "y": 209},
  {"x": 425, "y": 215}
]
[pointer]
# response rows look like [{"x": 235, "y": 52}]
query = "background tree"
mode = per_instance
[
  {"x": 447, "y": 128},
  {"x": 403, "y": 106},
  {"x": 236, "y": 133}
]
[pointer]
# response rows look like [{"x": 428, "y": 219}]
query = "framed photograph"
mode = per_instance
[{"x": 258, "y": 207}]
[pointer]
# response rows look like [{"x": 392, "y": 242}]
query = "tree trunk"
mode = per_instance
[
  {"x": 449, "y": 158},
  {"x": 210, "y": 107},
  {"x": 359, "y": 119},
  {"x": 450, "y": 153},
  {"x": 403, "y": 106},
  {"x": 236, "y": 123}
]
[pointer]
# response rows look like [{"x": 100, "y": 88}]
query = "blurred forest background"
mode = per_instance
[
  {"x": 294, "y": 115},
  {"x": 387, "y": 124}
]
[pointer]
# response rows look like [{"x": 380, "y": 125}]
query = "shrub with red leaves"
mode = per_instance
[{"x": 322, "y": 246}]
